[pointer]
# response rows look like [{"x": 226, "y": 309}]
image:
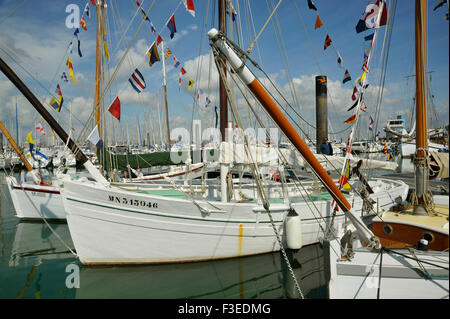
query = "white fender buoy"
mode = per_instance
[{"x": 293, "y": 229}]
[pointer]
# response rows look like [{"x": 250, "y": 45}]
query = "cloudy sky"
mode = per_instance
[{"x": 34, "y": 37}]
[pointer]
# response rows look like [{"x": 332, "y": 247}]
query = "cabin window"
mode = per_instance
[{"x": 387, "y": 229}]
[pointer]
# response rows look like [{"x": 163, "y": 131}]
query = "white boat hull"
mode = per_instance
[
  {"x": 401, "y": 278},
  {"x": 35, "y": 201},
  {"x": 116, "y": 226},
  {"x": 408, "y": 149}
]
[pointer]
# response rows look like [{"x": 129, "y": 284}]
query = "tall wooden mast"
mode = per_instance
[{"x": 420, "y": 160}]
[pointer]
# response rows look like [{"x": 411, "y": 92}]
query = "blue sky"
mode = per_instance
[{"x": 37, "y": 34}]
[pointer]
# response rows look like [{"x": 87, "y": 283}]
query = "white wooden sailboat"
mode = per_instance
[
  {"x": 115, "y": 225},
  {"x": 412, "y": 259}
]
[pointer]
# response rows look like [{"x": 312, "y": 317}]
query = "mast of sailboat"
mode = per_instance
[
  {"x": 217, "y": 40},
  {"x": 222, "y": 92},
  {"x": 99, "y": 4},
  {"x": 81, "y": 157},
  {"x": 166, "y": 107},
  {"x": 420, "y": 161}
]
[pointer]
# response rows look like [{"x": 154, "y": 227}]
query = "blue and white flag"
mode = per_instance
[
  {"x": 137, "y": 81},
  {"x": 87, "y": 10},
  {"x": 94, "y": 138},
  {"x": 370, "y": 123}
]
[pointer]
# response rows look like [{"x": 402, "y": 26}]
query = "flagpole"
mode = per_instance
[{"x": 166, "y": 107}]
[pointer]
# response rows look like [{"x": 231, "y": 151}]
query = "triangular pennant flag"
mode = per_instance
[
  {"x": 114, "y": 108},
  {"x": 347, "y": 77},
  {"x": 189, "y": 4},
  {"x": 93, "y": 2},
  {"x": 171, "y": 25},
  {"x": 351, "y": 119},
  {"x": 69, "y": 64},
  {"x": 183, "y": 71},
  {"x": 191, "y": 83},
  {"x": 327, "y": 42},
  {"x": 319, "y": 23}
]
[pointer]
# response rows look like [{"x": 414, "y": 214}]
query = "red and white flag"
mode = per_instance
[
  {"x": 189, "y": 4},
  {"x": 40, "y": 128}
]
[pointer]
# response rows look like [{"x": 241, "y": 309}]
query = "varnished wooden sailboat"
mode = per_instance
[
  {"x": 403, "y": 267},
  {"x": 422, "y": 219}
]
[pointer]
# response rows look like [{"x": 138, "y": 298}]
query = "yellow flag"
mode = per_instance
[
  {"x": 191, "y": 83},
  {"x": 106, "y": 49},
  {"x": 168, "y": 52},
  {"x": 361, "y": 78},
  {"x": 30, "y": 139},
  {"x": 69, "y": 64}
]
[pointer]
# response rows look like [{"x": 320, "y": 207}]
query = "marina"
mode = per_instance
[{"x": 138, "y": 191}]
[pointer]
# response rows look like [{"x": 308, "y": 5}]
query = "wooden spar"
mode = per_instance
[
  {"x": 421, "y": 103},
  {"x": 421, "y": 100},
  {"x": 223, "y": 103},
  {"x": 81, "y": 157},
  {"x": 275, "y": 113},
  {"x": 15, "y": 147},
  {"x": 97, "y": 71}
]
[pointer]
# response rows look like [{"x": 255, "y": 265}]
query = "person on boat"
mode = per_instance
[
  {"x": 326, "y": 148},
  {"x": 135, "y": 173}
]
